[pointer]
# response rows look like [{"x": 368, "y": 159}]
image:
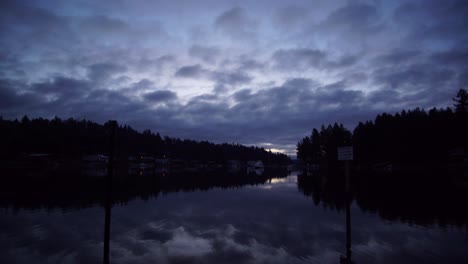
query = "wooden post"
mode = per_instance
[
  {"x": 108, "y": 204},
  {"x": 348, "y": 215},
  {"x": 347, "y": 176},
  {"x": 346, "y": 154}
]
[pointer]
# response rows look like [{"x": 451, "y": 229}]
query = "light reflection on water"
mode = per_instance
[{"x": 267, "y": 223}]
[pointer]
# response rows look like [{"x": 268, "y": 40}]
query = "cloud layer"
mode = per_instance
[{"x": 255, "y": 73}]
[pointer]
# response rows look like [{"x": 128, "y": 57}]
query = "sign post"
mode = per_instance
[
  {"x": 346, "y": 154},
  {"x": 110, "y": 168}
]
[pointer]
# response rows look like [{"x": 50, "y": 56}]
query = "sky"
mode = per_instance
[{"x": 259, "y": 72}]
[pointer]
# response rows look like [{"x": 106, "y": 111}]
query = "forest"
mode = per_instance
[
  {"x": 409, "y": 136},
  {"x": 74, "y": 138},
  {"x": 424, "y": 180}
]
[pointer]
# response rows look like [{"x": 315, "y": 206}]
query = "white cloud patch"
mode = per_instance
[{"x": 183, "y": 244}]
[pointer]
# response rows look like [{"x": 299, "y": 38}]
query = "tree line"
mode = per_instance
[
  {"x": 407, "y": 136},
  {"x": 75, "y": 138}
]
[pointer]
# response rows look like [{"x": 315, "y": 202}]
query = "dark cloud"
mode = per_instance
[
  {"x": 10, "y": 66},
  {"x": 302, "y": 59},
  {"x": 356, "y": 78},
  {"x": 388, "y": 96},
  {"x": 450, "y": 25},
  {"x": 206, "y": 54},
  {"x": 298, "y": 58},
  {"x": 455, "y": 57},
  {"x": 104, "y": 71},
  {"x": 242, "y": 95},
  {"x": 342, "y": 61},
  {"x": 463, "y": 78},
  {"x": 418, "y": 85},
  {"x": 397, "y": 56},
  {"x": 205, "y": 97},
  {"x": 101, "y": 29},
  {"x": 11, "y": 101},
  {"x": 289, "y": 16},
  {"x": 20, "y": 13},
  {"x": 244, "y": 63},
  {"x": 231, "y": 78},
  {"x": 166, "y": 59},
  {"x": 300, "y": 83},
  {"x": 222, "y": 78},
  {"x": 103, "y": 25},
  {"x": 294, "y": 104},
  {"x": 354, "y": 17},
  {"x": 63, "y": 87},
  {"x": 25, "y": 25},
  {"x": 70, "y": 97},
  {"x": 144, "y": 84},
  {"x": 336, "y": 96},
  {"x": 247, "y": 64},
  {"x": 415, "y": 75},
  {"x": 236, "y": 23},
  {"x": 160, "y": 96},
  {"x": 156, "y": 66},
  {"x": 191, "y": 71}
]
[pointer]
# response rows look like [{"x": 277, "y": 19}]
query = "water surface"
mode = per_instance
[{"x": 262, "y": 221}]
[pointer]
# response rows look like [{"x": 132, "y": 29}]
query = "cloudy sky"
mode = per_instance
[{"x": 253, "y": 72}]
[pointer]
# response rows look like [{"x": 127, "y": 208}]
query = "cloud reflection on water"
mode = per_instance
[{"x": 247, "y": 225}]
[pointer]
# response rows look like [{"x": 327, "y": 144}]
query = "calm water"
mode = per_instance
[{"x": 265, "y": 221}]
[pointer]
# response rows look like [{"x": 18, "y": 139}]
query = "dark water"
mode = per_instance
[{"x": 261, "y": 220}]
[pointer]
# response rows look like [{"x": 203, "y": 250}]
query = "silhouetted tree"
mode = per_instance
[
  {"x": 322, "y": 146},
  {"x": 461, "y": 101},
  {"x": 304, "y": 147},
  {"x": 410, "y": 136}
]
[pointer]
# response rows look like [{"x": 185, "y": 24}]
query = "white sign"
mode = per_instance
[{"x": 345, "y": 153}]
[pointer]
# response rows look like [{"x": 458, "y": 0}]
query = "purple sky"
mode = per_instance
[{"x": 252, "y": 72}]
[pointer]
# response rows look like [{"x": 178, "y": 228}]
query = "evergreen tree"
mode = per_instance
[{"x": 461, "y": 101}]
